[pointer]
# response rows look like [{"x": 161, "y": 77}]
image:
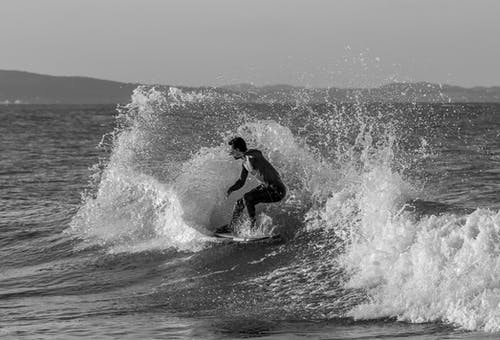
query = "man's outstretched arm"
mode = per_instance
[{"x": 240, "y": 182}]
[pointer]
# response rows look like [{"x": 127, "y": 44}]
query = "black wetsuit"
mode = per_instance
[{"x": 272, "y": 188}]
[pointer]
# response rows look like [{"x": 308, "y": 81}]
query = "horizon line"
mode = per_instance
[{"x": 250, "y": 83}]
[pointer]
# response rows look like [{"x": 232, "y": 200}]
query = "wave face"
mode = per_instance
[{"x": 372, "y": 229}]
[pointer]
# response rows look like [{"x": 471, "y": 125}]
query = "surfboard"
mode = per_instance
[{"x": 246, "y": 239}]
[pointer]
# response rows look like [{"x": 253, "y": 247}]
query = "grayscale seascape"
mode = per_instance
[
  {"x": 366, "y": 205},
  {"x": 390, "y": 225}
]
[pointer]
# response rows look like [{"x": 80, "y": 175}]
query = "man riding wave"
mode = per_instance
[{"x": 270, "y": 190}]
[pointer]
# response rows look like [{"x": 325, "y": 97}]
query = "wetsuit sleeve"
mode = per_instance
[{"x": 241, "y": 181}]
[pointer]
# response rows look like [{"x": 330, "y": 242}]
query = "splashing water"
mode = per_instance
[
  {"x": 138, "y": 201},
  {"x": 364, "y": 254}
]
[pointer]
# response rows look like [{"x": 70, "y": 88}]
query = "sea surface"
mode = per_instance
[{"x": 390, "y": 228}]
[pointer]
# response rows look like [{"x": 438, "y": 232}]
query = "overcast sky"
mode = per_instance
[{"x": 214, "y": 42}]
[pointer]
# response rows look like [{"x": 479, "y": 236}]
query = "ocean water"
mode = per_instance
[{"x": 391, "y": 227}]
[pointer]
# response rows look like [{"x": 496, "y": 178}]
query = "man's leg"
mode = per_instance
[
  {"x": 255, "y": 196},
  {"x": 237, "y": 210}
]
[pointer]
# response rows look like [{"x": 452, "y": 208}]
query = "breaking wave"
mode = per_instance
[{"x": 362, "y": 247}]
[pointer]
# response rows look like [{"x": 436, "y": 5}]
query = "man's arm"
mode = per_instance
[{"x": 240, "y": 182}]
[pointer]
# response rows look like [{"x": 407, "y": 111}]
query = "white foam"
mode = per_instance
[
  {"x": 440, "y": 268},
  {"x": 133, "y": 209},
  {"x": 129, "y": 208},
  {"x": 437, "y": 268}
]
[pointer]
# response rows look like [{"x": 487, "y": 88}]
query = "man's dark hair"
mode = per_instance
[{"x": 238, "y": 143}]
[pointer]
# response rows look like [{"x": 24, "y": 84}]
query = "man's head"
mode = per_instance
[{"x": 238, "y": 147}]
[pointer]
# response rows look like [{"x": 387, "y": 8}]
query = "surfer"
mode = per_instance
[{"x": 270, "y": 190}]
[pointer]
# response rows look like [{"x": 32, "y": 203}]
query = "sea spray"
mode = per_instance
[
  {"x": 132, "y": 202},
  {"x": 358, "y": 250},
  {"x": 418, "y": 268},
  {"x": 358, "y": 218},
  {"x": 148, "y": 191},
  {"x": 442, "y": 267}
]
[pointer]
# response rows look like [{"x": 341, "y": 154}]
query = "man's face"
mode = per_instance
[{"x": 236, "y": 153}]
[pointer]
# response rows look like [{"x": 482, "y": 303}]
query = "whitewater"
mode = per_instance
[{"x": 390, "y": 225}]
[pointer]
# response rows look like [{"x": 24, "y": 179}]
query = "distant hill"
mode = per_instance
[{"x": 31, "y": 88}]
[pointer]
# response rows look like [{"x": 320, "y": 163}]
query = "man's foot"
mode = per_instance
[{"x": 225, "y": 229}]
